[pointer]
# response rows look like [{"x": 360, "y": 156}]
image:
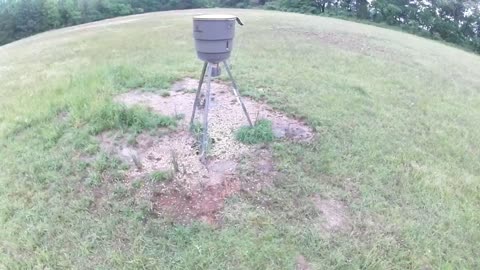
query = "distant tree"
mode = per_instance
[
  {"x": 69, "y": 12},
  {"x": 50, "y": 15},
  {"x": 7, "y": 22},
  {"x": 391, "y": 11},
  {"x": 321, "y": 4},
  {"x": 28, "y": 18},
  {"x": 424, "y": 15},
  {"x": 361, "y": 7},
  {"x": 347, "y": 5}
]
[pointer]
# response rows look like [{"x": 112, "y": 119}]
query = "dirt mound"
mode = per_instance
[{"x": 196, "y": 190}]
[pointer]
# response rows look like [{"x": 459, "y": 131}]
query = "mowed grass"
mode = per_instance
[{"x": 397, "y": 120}]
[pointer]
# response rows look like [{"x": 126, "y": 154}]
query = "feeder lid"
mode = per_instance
[{"x": 214, "y": 17}]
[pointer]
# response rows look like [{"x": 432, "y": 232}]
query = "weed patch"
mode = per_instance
[
  {"x": 161, "y": 176},
  {"x": 261, "y": 132},
  {"x": 135, "y": 119}
]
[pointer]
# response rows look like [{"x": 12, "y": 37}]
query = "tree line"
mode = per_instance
[{"x": 454, "y": 21}]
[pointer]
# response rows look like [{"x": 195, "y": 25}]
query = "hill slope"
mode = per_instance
[{"x": 396, "y": 118}]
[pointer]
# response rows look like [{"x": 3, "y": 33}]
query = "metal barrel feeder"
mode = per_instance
[{"x": 213, "y": 36}]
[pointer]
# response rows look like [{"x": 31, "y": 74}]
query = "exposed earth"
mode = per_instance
[{"x": 197, "y": 191}]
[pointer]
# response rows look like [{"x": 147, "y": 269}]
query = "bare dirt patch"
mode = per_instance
[
  {"x": 200, "y": 195},
  {"x": 301, "y": 263},
  {"x": 203, "y": 203},
  {"x": 225, "y": 114},
  {"x": 197, "y": 190},
  {"x": 333, "y": 214}
]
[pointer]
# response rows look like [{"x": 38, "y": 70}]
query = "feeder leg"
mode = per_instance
[
  {"x": 197, "y": 96},
  {"x": 236, "y": 92},
  {"x": 205, "y": 115}
]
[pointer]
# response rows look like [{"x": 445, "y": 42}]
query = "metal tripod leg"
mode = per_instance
[
  {"x": 205, "y": 115},
  {"x": 236, "y": 93},
  {"x": 197, "y": 97}
]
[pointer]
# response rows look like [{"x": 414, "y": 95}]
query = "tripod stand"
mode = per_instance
[{"x": 207, "y": 73}]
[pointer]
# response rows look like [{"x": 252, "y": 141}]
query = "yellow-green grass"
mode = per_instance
[{"x": 397, "y": 120}]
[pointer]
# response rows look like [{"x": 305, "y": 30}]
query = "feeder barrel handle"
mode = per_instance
[{"x": 239, "y": 21}]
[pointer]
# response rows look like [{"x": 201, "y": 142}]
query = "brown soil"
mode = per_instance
[
  {"x": 334, "y": 214},
  {"x": 198, "y": 191},
  {"x": 302, "y": 264},
  {"x": 200, "y": 204}
]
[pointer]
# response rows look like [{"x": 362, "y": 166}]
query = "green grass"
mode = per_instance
[
  {"x": 136, "y": 119},
  {"x": 261, "y": 132},
  {"x": 396, "y": 117},
  {"x": 161, "y": 176},
  {"x": 196, "y": 130}
]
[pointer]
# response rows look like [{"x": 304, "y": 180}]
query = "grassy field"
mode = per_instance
[{"x": 397, "y": 119}]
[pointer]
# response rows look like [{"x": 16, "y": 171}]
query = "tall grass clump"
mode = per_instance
[
  {"x": 135, "y": 119},
  {"x": 261, "y": 132}
]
